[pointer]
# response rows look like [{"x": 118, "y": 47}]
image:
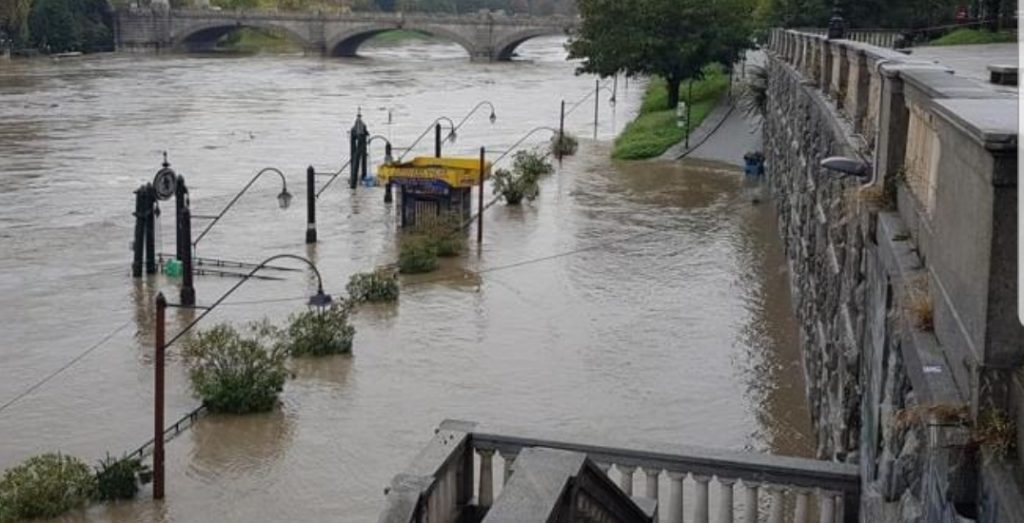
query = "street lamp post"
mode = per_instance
[
  {"x": 320, "y": 300},
  {"x": 836, "y": 23},
  {"x": 284, "y": 199}
]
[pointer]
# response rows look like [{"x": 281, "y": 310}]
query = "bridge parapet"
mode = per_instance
[
  {"x": 905, "y": 290},
  {"x": 484, "y": 35}
]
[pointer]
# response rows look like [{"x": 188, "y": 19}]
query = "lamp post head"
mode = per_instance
[
  {"x": 320, "y": 301},
  {"x": 493, "y": 117},
  {"x": 285, "y": 198},
  {"x": 848, "y": 167},
  {"x": 452, "y": 136}
]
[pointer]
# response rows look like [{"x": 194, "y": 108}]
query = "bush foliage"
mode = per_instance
[
  {"x": 417, "y": 254},
  {"x": 523, "y": 181},
  {"x": 564, "y": 144},
  {"x": 120, "y": 478},
  {"x": 377, "y": 286},
  {"x": 656, "y": 129},
  {"x": 974, "y": 37},
  {"x": 237, "y": 372},
  {"x": 45, "y": 486},
  {"x": 320, "y": 333}
]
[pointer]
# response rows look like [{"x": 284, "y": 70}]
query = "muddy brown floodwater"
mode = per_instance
[{"x": 640, "y": 300}]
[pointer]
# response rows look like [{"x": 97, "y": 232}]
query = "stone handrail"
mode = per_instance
[{"x": 439, "y": 485}]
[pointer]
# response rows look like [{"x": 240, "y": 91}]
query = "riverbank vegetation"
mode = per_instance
[
  {"x": 975, "y": 37},
  {"x": 656, "y": 129}
]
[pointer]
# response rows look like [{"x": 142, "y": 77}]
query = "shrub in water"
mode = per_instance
[
  {"x": 445, "y": 233},
  {"x": 523, "y": 180},
  {"x": 417, "y": 254},
  {"x": 564, "y": 144},
  {"x": 235, "y": 373},
  {"x": 531, "y": 163},
  {"x": 120, "y": 478},
  {"x": 376, "y": 286},
  {"x": 45, "y": 486},
  {"x": 319, "y": 333}
]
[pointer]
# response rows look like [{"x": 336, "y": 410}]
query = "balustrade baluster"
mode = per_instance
[
  {"x": 700, "y": 510},
  {"x": 652, "y": 483},
  {"x": 725, "y": 487},
  {"x": 828, "y": 507},
  {"x": 626, "y": 481},
  {"x": 486, "y": 498},
  {"x": 675, "y": 497},
  {"x": 778, "y": 504},
  {"x": 802, "y": 498},
  {"x": 750, "y": 502},
  {"x": 510, "y": 459}
]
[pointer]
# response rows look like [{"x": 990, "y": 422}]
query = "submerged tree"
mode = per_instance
[{"x": 673, "y": 39}]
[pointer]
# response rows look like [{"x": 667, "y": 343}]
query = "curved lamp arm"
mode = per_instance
[
  {"x": 533, "y": 131},
  {"x": 587, "y": 97},
  {"x": 493, "y": 116},
  {"x": 285, "y": 198},
  {"x": 426, "y": 131},
  {"x": 319, "y": 290},
  {"x": 388, "y": 147}
]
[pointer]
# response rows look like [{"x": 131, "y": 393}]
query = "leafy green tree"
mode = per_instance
[
  {"x": 70, "y": 25},
  {"x": 673, "y": 39},
  {"x": 14, "y": 20}
]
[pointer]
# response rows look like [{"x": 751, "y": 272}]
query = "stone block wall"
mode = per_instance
[{"x": 905, "y": 290}]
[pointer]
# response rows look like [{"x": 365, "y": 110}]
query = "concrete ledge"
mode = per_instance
[
  {"x": 991, "y": 121},
  {"x": 925, "y": 362}
]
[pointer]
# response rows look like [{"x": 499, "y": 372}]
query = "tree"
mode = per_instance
[
  {"x": 14, "y": 20},
  {"x": 673, "y": 39},
  {"x": 70, "y": 25}
]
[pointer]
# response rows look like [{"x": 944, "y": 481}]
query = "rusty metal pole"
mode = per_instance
[
  {"x": 480, "y": 210},
  {"x": 158, "y": 413},
  {"x": 310, "y": 205}
]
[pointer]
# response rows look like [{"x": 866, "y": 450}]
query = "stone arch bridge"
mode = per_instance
[{"x": 485, "y": 35}]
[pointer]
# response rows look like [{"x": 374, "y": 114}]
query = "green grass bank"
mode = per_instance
[
  {"x": 655, "y": 129},
  {"x": 974, "y": 36}
]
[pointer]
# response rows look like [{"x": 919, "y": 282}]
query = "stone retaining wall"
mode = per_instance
[{"x": 905, "y": 290}]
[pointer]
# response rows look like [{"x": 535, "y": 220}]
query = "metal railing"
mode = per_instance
[{"x": 439, "y": 485}]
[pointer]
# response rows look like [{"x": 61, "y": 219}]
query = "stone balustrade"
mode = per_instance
[
  {"x": 904, "y": 284},
  {"x": 440, "y": 485}
]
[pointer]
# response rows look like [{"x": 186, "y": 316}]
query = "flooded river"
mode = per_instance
[{"x": 646, "y": 301}]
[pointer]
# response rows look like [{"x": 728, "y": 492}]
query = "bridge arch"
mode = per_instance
[
  {"x": 347, "y": 42},
  {"x": 204, "y": 36},
  {"x": 506, "y": 46}
]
